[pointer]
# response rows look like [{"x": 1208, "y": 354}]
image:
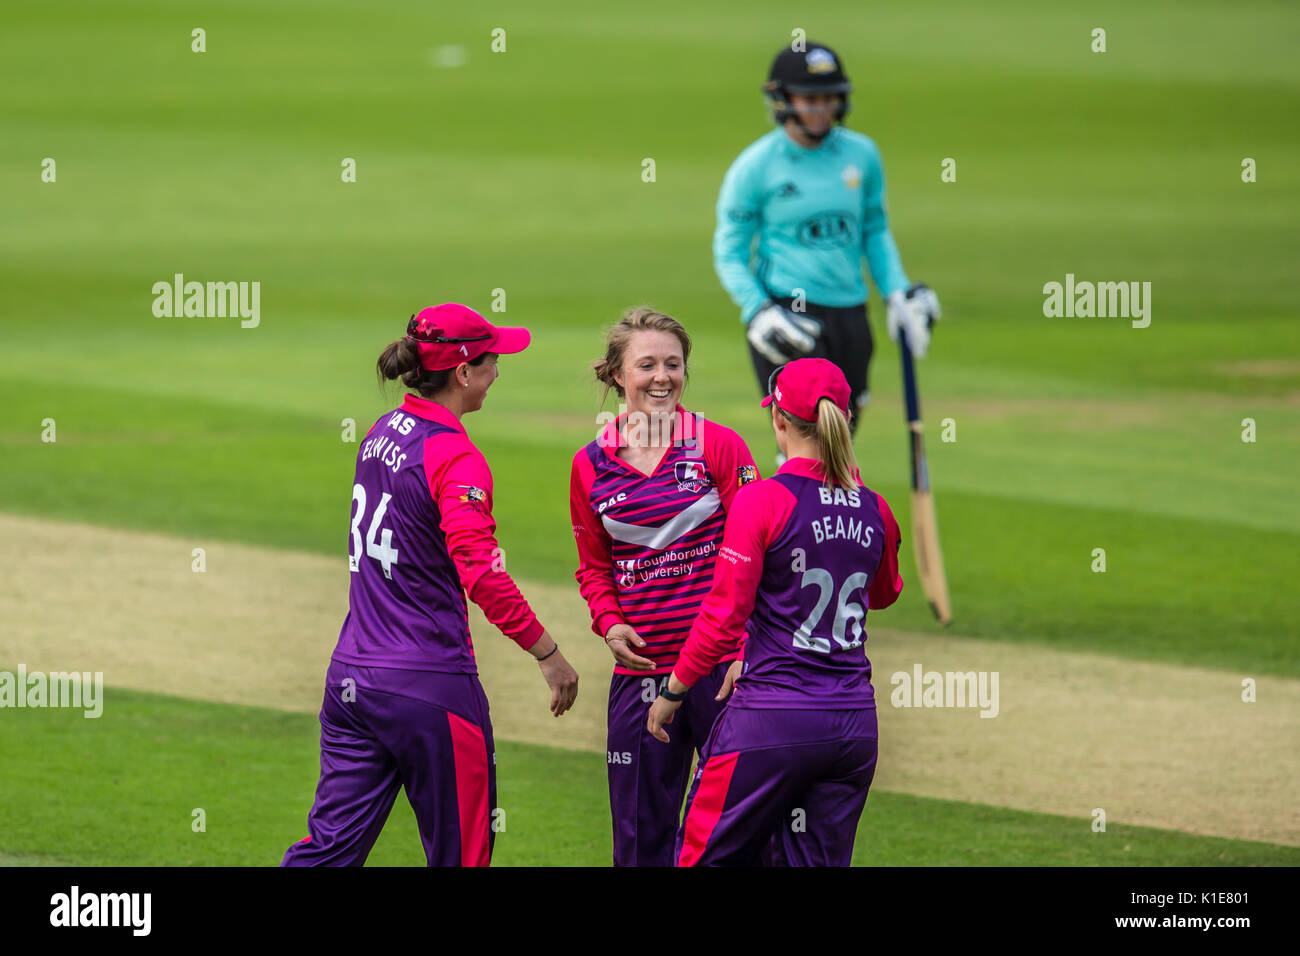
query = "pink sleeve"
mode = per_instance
[
  {"x": 595, "y": 574},
  {"x": 888, "y": 583},
  {"x": 726, "y": 453},
  {"x": 461, "y": 485},
  {"x": 761, "y": 511}
]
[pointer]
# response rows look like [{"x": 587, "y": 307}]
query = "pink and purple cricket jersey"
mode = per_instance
[
  {"x": 403, "y": 705},
  {"x": 422, "y": 487},
  {"x": 647, "y": 549},
  {"x": 801, "y": 565},
  {"x": 647, "y": 544}
]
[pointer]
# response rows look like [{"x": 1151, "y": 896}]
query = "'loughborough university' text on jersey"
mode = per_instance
[
  {"x": 816, "y": 213},
  {"x": 421, "y": 538},
  {"x": 647, "y": 544},
  {"x": 803, "y": 562}
]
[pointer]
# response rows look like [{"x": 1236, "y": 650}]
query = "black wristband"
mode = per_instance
[
  {"x": 548, "y": 653},
  {"x": 666, "y": 694}
]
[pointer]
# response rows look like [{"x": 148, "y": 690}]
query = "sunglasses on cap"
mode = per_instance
[
  {"x": 771, "y": 380},
  {"x": 414, "y": 335}
]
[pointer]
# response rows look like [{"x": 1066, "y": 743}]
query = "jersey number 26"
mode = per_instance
[{"x": 847, "y": 629}]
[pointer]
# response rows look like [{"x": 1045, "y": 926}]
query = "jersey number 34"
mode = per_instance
[{"x": 379, "y": 541}]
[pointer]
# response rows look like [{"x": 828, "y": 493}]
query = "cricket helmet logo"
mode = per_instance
[{"x": 820, "y": 60}]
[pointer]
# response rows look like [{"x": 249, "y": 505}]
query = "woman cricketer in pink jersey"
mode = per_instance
[
  {"x": 403, "y": 705},
  {"x": 806, "y": 553},
  {"x": 648, "y": 499}
]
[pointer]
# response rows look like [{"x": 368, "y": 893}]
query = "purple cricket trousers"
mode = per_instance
[
  {"x": 780, "y": 787},
  {"x": 383, "y": 728},
  {"x": 648, "y": 778}
]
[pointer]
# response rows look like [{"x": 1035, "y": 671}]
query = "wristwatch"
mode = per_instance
[{"x": 666, "y": 694}]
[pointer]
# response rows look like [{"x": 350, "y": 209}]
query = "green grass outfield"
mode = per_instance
[
  {"x": 522, "y": 171},
  {"x": 122, "y": 792}
]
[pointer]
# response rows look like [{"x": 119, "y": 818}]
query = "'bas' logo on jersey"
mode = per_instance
[
  {"x": 745, "y": 474},
  {"x": 691, "y": 476},
  {"x": 474, "y": 496}
]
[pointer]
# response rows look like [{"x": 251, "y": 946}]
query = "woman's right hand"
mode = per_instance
[
  {"x": 619, "y": 639},
  {"x": 560, "y": 676},
  {"x": 562, "y": 679}
]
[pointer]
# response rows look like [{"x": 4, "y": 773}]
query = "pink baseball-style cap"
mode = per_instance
[
  {"x": 798, "y": 386},
  {"x": 452, "y": 333}
]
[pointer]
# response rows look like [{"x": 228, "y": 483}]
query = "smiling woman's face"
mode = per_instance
[{"x": 653, "y": 372}]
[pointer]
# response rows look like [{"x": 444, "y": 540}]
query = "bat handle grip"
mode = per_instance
[{"x": 911, "y": 401}]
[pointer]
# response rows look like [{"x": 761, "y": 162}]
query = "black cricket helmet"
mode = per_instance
[{"x": 814, "y": 69}]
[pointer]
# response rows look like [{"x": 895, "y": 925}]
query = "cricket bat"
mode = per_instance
[{"x": 925, "y": 527}]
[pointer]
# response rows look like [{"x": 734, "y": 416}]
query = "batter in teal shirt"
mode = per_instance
[
  {"x": 816, "y": 213},
  {"x": 799, "y": 210}
]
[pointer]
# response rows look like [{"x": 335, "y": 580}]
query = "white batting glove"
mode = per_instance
[
  {"x": 914, "y": 312},
  {"x": 780, "y": 335}
]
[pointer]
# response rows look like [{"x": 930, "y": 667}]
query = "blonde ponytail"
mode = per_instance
[{"x": 835, "y": 446}]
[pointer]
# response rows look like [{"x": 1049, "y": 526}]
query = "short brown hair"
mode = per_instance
[{"x": 641, "y": 318}]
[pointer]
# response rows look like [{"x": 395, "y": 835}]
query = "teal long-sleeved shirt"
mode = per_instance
[{"x": 816, "y": 213}]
